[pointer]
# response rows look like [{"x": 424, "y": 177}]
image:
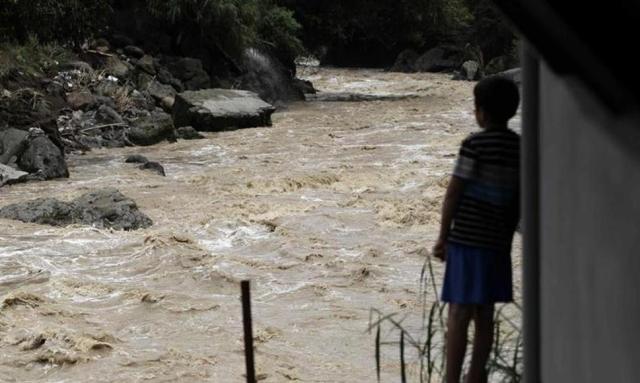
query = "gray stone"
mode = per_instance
[
  {"x": 44, "y": 158},
  {"x": 436, "y": 60},
  {"x": 9, "y": 175},
  {"x": 117, "y": 67},
  {"x": 189, "y": 71},
  {"x": 221, "y": 109},
  {"x": 167, "y": 103},
  {"x": 80, "y": 100},
  {"x": 165, "y": 77},
  {"x": 152, "y": 130},
  {"x": 146, "y": 65},
  {"x": 45, "y": 211},
  {"x": 160, "y": 91},
  {"x": 144, "y": 80},
  {"x": 106, "y": 208},
  {"x": 107, "y": 115},
  {"x": 188, "y": 133},
  {"x": 76, "y": 65},
  {"x": 154, "y": 167},
  {"x": 405, "y": 62},
  {"x": 304, "y": 86},
  {"x": 136, "y": 159},
  {"x": 120, "y": 41},
  {"x": 470, "y": 70},
  {"x": 106, "y": 100},
  {"x": 133, "y": 51},
  {"x": 12, "y": 143}
]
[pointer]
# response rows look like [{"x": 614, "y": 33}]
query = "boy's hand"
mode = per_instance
[{"x": 440, "y": 250}]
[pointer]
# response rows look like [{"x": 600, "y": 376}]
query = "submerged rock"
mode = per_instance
[
  {"x": 45, "y": 211},
  {"x": 221, "y": 109},
  {"x": 44, "y": 158},
  {"x": 110, "y": 209},
  {"x": 136, "y": 159},
  {"x": 188, "y": 133},
  {"x": 107, "y": 208},
  {"x": 154, "y": 167}
]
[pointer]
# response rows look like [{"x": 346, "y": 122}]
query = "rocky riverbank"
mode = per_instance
[{"x": 117, "y": 95}]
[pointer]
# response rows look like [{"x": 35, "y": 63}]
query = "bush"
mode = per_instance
[
  {"x": 232, "y": 25},
  {"x": 31, "y": 57},
  {"x": 52, "y": 20},
  {"x": 362, "y": 32}
]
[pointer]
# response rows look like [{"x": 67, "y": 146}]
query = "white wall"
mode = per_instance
[{"x": 590, "y": 239}]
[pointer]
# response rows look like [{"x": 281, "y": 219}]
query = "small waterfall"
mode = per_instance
[{"x": 267, "y": 77}]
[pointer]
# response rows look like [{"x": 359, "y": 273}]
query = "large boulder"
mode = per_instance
[
  {"x": 405, "y": 62},
  {"x": 12, "y": 143},
  {"x": 437, "y": 60},
  {"x": 107, "y": 208},
  {"x": 221, "y": 109},
  {"x": 152, "y": 129},
  {"x": 44, "y": 158},
  {"x": 45, "y": 211}
]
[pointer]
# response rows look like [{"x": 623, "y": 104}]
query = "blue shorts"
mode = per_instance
[{"x": 478, "y": 276}]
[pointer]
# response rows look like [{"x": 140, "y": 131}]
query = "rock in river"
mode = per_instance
[
  {"x": 152, "y": 130},
  {"x": 221, "y": 109},
  {"x": 44, "y": 158},
  {"x": 106, "y": 208}
]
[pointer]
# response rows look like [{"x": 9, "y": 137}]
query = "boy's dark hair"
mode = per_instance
[{"x": 498, "y": 97}]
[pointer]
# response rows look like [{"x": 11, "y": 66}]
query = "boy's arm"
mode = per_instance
[{"x": 449, "y": 206}]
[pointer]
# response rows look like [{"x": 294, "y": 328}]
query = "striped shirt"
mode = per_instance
[{"x": 488, "y": 211}]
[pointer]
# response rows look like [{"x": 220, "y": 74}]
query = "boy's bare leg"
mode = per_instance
[
  {"x": 482, "y": 343},
  {"x": 457, "y": 326}
]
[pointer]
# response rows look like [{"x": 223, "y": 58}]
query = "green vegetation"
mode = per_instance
[
  {"x": 32, "y": 57},
  {"x": 427, "y": 342},
  {"x": 372, "y": 33},
  {"x": 356, "y": 32},
  {"x": 52, "y": 20},
  {"x": 231, "y": 25}
]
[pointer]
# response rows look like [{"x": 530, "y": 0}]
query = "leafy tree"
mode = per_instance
[{"x": 52, "y": 20}]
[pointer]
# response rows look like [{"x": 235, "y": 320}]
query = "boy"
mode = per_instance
[{"x": 479, "y": 216}]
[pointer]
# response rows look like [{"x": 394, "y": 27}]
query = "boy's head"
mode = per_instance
[{"x": 496, "y": 101}]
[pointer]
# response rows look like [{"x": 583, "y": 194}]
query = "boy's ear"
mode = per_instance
[{"x": 481, "y": 117}]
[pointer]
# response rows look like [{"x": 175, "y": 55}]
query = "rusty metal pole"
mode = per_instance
[{"x": 248, "y": 331}]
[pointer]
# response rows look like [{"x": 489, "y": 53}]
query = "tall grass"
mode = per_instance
[
  {"x": 32, "y": 57},
  {"x": 428, "y": 341}
]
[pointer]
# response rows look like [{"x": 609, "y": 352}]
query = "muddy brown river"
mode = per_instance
[{"x": 329, "y": 213}]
